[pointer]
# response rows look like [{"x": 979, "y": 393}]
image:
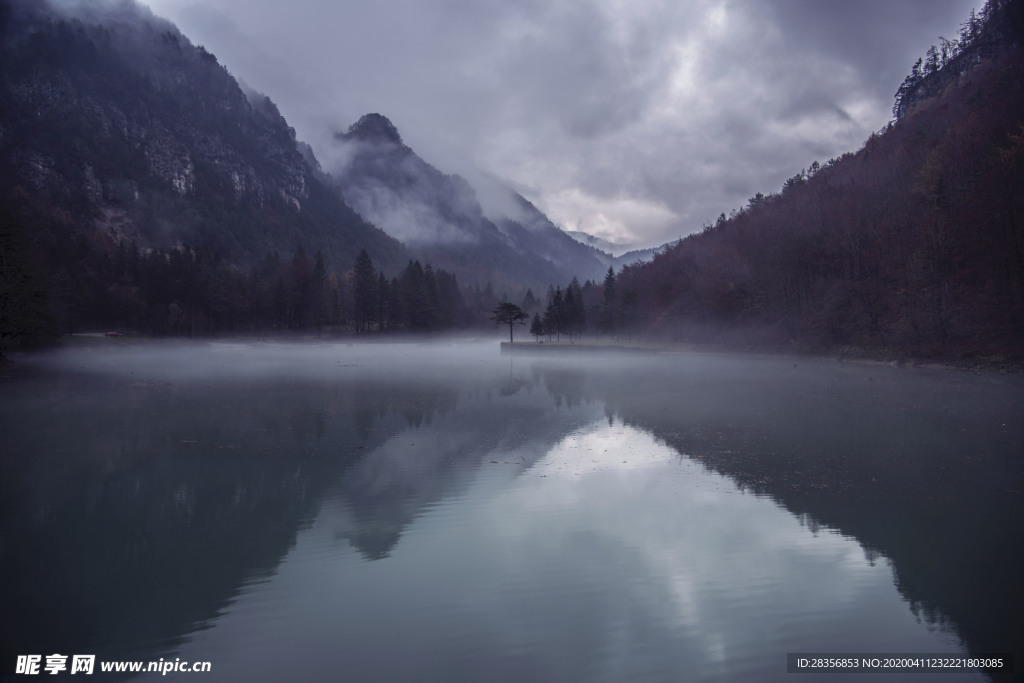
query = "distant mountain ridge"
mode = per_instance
[
  {"x": 441, "y": 217},
  {"x": 613, "y": 248}
]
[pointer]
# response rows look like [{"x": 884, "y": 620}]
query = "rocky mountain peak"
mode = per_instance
[{"x": 374, "y": 128}]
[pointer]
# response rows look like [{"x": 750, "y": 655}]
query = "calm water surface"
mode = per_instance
[{"x": 439, "y": 512}]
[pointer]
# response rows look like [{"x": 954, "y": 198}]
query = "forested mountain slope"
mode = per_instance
[
  {"x": 915, "y": 243},
  {"x": 116, "y": 126},
  {"x": 138, "y": 180}
]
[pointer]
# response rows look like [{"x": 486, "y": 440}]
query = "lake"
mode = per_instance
[{"x": 440, "y": 512}]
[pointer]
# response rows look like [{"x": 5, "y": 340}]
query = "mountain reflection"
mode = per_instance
[
  {"x": 140, "y": 503},
  {"x": 131, "y": 490},
  {"x": 923, "y": 467}
]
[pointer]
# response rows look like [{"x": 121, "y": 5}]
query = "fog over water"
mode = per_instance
[{"x": 439, "y": 511}]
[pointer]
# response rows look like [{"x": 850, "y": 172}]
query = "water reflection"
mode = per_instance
[
  {"x": 444, "y": 512},
  {"x": 925, "y": 468},
  {"x": 610, "y": 559}
]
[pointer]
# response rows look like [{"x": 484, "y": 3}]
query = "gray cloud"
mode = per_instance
[{"x": 635, "y": 121}]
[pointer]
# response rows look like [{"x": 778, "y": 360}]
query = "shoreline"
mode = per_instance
[
  {"x": 889, "y": 358},
  {"x": 886, "y": 357},
  {"x": 558, "y": 347}
]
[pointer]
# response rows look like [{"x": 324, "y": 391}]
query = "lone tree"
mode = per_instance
[{"x": 509, "y": 314}]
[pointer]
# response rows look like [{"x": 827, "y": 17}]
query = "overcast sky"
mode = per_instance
[{"x": 633, "y": 120}]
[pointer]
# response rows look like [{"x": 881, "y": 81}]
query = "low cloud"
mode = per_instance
[{"x": 686, "y": 107}]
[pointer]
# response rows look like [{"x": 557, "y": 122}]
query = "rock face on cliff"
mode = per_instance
[
  {"x": 113, "y": 117},
  {"x": 983, "y": 37}
]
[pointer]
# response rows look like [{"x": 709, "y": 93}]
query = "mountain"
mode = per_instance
[
  {"x": 113, "y": 126},
  {"x": 913, "y": 245},
  {"x": 441, "y": 217},
  {"x": 613, "y": 248},
  {"x": 143, "y": 188},
  {"x": 638, "y": 255},
  {"x": 621, "y": 254}
]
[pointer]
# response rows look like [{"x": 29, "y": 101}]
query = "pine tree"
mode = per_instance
[
  {"x": 931, "y": 61},
  {"x": 318, "y": 291},
  {"x": 24, "y": 304},
  {"x": 383, "y": 297},
  {"x": 364, "y": 287},
  {"x": 537, "y": 326},
  {"x": 554, "y": 315},
  {"x": 610, "y": 303},
  {"x": 575, "y": 312},
  {"x": 395, "y": 299},
  {"x": 430, "y": 313},
  {"x": 530, "y": 301}
]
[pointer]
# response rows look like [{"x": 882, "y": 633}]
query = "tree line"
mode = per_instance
[
  {"x": 575, "y": 310},
  {"x": 51, "y": 286},
  {"x": 192, "y": 291}
]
